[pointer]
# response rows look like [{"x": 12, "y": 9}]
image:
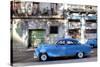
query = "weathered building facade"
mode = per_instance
[{"x": 36, "y": 22}]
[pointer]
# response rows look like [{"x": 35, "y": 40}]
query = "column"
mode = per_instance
[
  {"x": 66, "y": 22},
  {"x": 82, "y": 20}
]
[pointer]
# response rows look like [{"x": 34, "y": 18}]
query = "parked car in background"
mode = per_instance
[
  {"x": 64, "y": 47},
  {"x": 92, "y": 42}
]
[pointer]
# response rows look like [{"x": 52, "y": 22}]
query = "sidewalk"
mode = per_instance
[{"x": 22, "y": 55}]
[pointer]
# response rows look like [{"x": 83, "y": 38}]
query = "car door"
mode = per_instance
[
  {"x": 56, "y": 50},
  {"x": 60, "y": 48},
  {"x": 71, "y": 47}
]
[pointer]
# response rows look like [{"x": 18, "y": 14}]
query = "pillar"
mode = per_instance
[
  {"x": 82, "y": 20},
  {"x": 66, "y": 25}
]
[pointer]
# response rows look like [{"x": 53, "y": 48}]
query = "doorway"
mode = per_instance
[{"x": 36, "y": 36}]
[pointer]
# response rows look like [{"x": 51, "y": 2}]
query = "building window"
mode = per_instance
[
  {"x": 53, "y": 29},
  {"x": 91, "y": 31}
]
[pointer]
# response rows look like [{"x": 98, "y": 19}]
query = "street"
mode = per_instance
[
  {"x": 27, "y": 59},
  {"x": 92, "y": 59}
]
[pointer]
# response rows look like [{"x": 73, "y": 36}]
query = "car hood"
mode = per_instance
[{"x": 86, "y": 45}]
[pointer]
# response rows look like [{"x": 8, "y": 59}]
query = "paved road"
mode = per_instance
[
  {"x": 91, "y": 59},
  {"x": 27, "y": 59}
]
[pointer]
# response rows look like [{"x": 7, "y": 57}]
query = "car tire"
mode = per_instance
[
  {"x": 80, "y": 54},
  {"x": 43, "y": 57}
]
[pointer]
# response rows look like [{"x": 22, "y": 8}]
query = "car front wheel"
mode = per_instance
[
  {"x": 80, "y": 54},
  {"x": 43, "y": 57}
]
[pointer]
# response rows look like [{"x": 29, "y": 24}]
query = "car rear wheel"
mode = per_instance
[
  {"x": 43, "y": 57},
  {"x": 80, "y": 54}
]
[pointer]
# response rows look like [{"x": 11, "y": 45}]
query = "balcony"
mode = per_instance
[
  {"x": 91, "y": 17},
  {"x": 74, "y": 16},
  {"x": 36, "y": 10},
  {"x": 91, "y": 26},
  {"x": 37, "y": 17},
  {"x": 91, "y": 9},
  {"x": 76, "y": 8},
  {"x": 73, "y": 25}
]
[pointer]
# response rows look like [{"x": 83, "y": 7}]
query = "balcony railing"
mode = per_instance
[
  {"x": 73, "y": 25},
  {"x": 39, "y": 17},
  {"x": 91, "y": 17},
  {"x": 34, "y": 13},
  {"x": 91, "y": 27},
  {"x": 36, "y": 10},
  {"x": 73, "y": 17}
]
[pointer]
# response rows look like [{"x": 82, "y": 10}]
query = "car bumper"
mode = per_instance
[
  {"x": 91, "y": 51},
  {"x": 35, "y": 56}
]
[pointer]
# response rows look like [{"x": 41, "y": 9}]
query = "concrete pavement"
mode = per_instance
[
  {"x": 91, "y": 59},
  {"x": 26, "y": 58}
]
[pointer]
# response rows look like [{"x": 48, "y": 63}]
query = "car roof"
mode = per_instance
[
  {"x": 71, "y": 39},
  {"x": 93, "y": 39}
]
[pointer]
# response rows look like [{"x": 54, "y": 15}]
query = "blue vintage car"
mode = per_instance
[
  {"x": 92, "y": 42},
  {"x": 64, "y": 47}
]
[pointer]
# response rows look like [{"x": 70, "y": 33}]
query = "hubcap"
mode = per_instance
[
  {"x": 80, "y": 55},
  {"x": 43, "y": 57}
]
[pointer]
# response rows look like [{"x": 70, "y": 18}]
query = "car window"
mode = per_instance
[
  {"x": 70, "y": 42},
  {"x": 61, "y": 42}
]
